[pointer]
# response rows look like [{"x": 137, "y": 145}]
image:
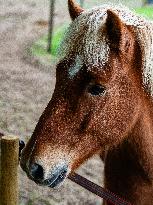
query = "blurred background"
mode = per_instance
[{"x": 30, "y": 32}]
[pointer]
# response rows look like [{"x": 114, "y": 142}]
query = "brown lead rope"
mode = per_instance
[{"x": 99, "y": 191}]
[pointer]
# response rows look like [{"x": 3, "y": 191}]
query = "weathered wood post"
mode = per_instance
[{"x": 9, "y": 170}]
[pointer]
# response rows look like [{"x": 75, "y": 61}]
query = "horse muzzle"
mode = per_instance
[
  {"x": 51, "y": 177},
  {"x": 55, "y": 177}
]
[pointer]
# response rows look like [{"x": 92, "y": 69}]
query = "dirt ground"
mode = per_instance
[{"x": 26, "y": 87}]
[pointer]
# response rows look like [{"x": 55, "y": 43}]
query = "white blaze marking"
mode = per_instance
[{"x": 75, "y": 68}]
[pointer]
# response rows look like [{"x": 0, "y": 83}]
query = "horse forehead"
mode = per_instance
[
  {"x": 86, "y": 39},
  {"x": 93, "y": 52},
  {"x": 78, "y": 64}
]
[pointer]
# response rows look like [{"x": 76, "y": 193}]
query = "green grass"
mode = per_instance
[
  {"x": 41, "y": 44},
  {"x": 57, "y": 38},
  {"x": 39, "y": 48}
]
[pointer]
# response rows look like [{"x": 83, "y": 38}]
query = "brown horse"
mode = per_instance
[{"x": 102, "y": 104}]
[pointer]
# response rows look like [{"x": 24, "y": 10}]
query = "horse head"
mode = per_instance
[{"x": 96, "y": 99}]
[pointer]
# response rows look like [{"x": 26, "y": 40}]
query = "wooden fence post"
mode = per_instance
[{"x": 9, "y": 170}]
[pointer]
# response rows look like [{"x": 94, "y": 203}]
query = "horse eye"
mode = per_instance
[{"x": 97, "y": 89}]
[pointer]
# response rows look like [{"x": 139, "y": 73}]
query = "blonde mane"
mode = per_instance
[{"x": 85, "y": 39}]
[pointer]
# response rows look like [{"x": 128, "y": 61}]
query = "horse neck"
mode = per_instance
[
  {"x": 141, "y": 138},
  {"x": 129, "y": 166}
]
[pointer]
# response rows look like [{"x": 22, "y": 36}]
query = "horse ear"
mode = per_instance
[
  {"x": 115, "y": 29},
  {"x": 74, "y": 9}
]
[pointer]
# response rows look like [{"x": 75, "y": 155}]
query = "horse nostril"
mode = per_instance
[{"x": 37, "y": 171}]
